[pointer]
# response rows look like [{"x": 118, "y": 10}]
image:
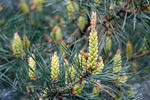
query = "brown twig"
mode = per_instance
[
  {"x": 124, "y": 22},
  {"x": 102, "y": 88},
  {"x": 138, "y": 56},
  {"x": 83, "y": 38}
]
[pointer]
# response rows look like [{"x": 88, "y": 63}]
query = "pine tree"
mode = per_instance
[{"x": 102, "y": 46}]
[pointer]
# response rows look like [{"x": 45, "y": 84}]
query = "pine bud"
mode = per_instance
[
  {"x": 62, "y": 22},
  {"x": 32, "y": 66},
  {"x": 70, "y": 74},
  {"x": 70, "y": 9},
  {"x": 81, "y": 23},
  {"x": 148, "y": 7},
  {"x": 99, "y": 67},
  {"x": 44, "y": 93},
  {"x": 82, "y": 61},
  {"x": 93, "y": 50},
  {"x": 129, "y": 49},
  {"x": 54, "y": 67},
  {"x": 28, "y": 89},
  {"x": 123, "y": 78},
  {"x": 26, "y": 42},
  {"x": 93, "y": 44},
  {"x": 131, "y": 92},
  {"x": 134, "y": 65},
  {"x": 120, "y": 3},
  {"x": 95, "y": 92},
  {"x": 143, "y": 47},
  {"x": 93, "y": 21},
  {"x": 77, "y": 89},
  {"x": 117, "y": 62},
  {"x": 24, "y": 7},
  {"x": 58, "y": 33},
  {"x": 111, "y": 6},
  {"x": 66, "y": 63},
  {"x": 97, "y": 3},
  {"x": 108, "y": 31},
  {"x": 17, "y": 46},
  {"x": 53, "y": 33},
  {"x": 118, "y": 99},
  {"x": 37, "y": 4},
  {"x": 108, "y": 43},
  {"x": 39, "y": 8},
  {"x": 75, "y": 5},
  {"x": 3, "y": 21}
]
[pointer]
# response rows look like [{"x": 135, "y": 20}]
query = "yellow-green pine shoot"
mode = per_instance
[
  {"x": 26, "y": 42},
  {"x": 143, "y": 47},
  {"x": 66, "y": 63},
  {"x": 111, "y": 7},
  {"x": 129, "y": 49},
  {"x": 76, "y": 6},
  {"x": 82, "y": 62},
  {"x": 39, "y": 8},
  {"x": 24, "y": 7},
  {"x": 77, "y": 89},
  {"x": 97, "y": 3},
  {"x": 148, "y": 8},
  {"x": 134, "y": 65},
  {"x": 53, "y": 33},
  {"x": 28, "y": 89},
  {"x": 54, "y": 67},
  {"x": 120, "y": 3},
  {"x": 70, "y": 9},
  {"x": 81, "y": 23},
  {"x": 62, "y": 22},
  {"x": 117, "y": 62},
  {"x": 17, "y": 46},
  {"x": 118, "y": 99},
  {"x": 3, "y": 21},
  {"x": 72, "y": 72},
  {"x": 93, "y": 44},
  {"x": 95, "y": 92},
  {"x": 131, "y": 92},
  {"x": 38, "y": 4},
  {"x": 32, "y": 66},
  {"x": 68, "y": 71},
  {"x": 100, "y": 66},
  {"x": 123, "y": 78},
  {"x": 58, "y": 34},
  {"x": 108, "y": 43}
]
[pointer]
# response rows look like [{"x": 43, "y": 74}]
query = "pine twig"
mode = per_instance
[{"x": 138, "y": 56}]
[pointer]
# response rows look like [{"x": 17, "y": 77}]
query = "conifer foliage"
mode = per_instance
[{"x": 74, "y": 49}]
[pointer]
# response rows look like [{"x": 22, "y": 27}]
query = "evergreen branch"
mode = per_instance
[{"x": 102, "y": 88}]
